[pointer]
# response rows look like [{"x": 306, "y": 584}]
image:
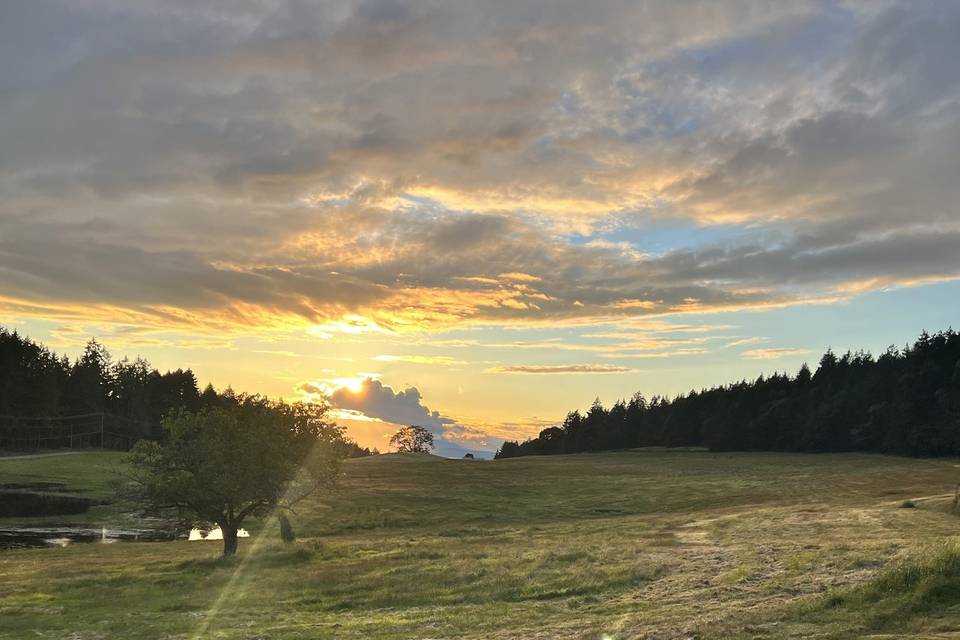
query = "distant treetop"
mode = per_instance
[{"x": 412, "y": 439}]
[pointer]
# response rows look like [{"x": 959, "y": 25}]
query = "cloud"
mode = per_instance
[
  {"x": 415, "y": 359},
  {"x": 373, "y": 399},
  {"x": 357, "y": 402},
  {"x": 773, "y": 353},
  {"x": 560, "y": 369},
  {"x": 251, "y": 167},
  {"x": 354, "y": 170},
  {"x": 739, "y": 342},
  {"x": 520, "y": 429}
]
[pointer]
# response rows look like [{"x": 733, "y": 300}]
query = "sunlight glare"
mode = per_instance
[{"x": 353, "y": 385}]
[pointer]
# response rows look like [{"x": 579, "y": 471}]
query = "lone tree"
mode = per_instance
[
  {"x": 412, "y": 439},
  {"x": 244, "y": 459}
]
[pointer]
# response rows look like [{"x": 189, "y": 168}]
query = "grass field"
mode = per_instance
[
  {"x": 643, "y": 544},
  {"x": 92, "y": 475}
]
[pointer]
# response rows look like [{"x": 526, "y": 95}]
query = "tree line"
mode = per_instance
[
  {"x": 207, "y": 458},
  {"x": 36, "y": 382},
  {"x": 906, "y": 402}
]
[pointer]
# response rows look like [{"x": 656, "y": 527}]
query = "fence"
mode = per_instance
[{"x": 87, "y": 431}]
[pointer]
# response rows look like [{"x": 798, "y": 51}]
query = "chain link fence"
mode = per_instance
[{"x": 87, "y": 431}]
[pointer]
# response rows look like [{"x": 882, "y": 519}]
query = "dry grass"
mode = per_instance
[{"x": 646, "y": 544}]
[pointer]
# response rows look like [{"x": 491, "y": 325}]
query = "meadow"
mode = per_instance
[{"x": 651, "y": 544}]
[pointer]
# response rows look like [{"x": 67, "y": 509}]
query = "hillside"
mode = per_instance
[{"x": 638, "y": 544}]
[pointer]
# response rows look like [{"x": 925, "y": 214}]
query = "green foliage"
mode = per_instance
[
  {"x": 904, "y": 402},
  {"x": 36, "y": 383},
  {"x": 32, "y": 379},
  {"x": 245, "y": 458}
]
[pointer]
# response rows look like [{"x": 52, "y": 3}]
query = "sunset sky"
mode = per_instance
[{"x": 476, "y": 216}]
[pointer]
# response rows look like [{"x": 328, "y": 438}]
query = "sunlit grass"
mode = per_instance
[{"x": 623, "y": 544}]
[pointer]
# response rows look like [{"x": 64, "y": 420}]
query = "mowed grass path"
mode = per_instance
[{"x": 640, "y": 544}]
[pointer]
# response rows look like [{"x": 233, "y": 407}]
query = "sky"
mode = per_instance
[{"x": 477, "y": 216}]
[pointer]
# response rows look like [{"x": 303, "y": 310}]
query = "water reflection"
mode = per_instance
[
  {"x": 62, "y": 536},
  {"x": 58, "y": 542},
  {"x": 214, "y": 534}
]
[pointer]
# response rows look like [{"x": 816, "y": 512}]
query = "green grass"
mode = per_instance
[
  {"x": 91, "y": 474},
  {"x": 623, "y": 545},
  {"x": 916, "y": 595}
]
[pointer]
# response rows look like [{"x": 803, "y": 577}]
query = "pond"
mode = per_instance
[
  {"x": 18, "y": 500},
  {"x": 62, "y": 536},
  {"x": 213, "y": 534}
]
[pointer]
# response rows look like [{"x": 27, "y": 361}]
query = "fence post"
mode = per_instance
[
  {"x": 71, "y": 435},
  {"x": 101, "y": 432}
]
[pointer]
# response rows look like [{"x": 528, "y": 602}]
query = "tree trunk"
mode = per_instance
[{"x": 229, "y": 540}]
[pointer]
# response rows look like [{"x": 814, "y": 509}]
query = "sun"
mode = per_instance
[
  {"x": 353, "y": 385},
  {"x": 322, "y": 390}
]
